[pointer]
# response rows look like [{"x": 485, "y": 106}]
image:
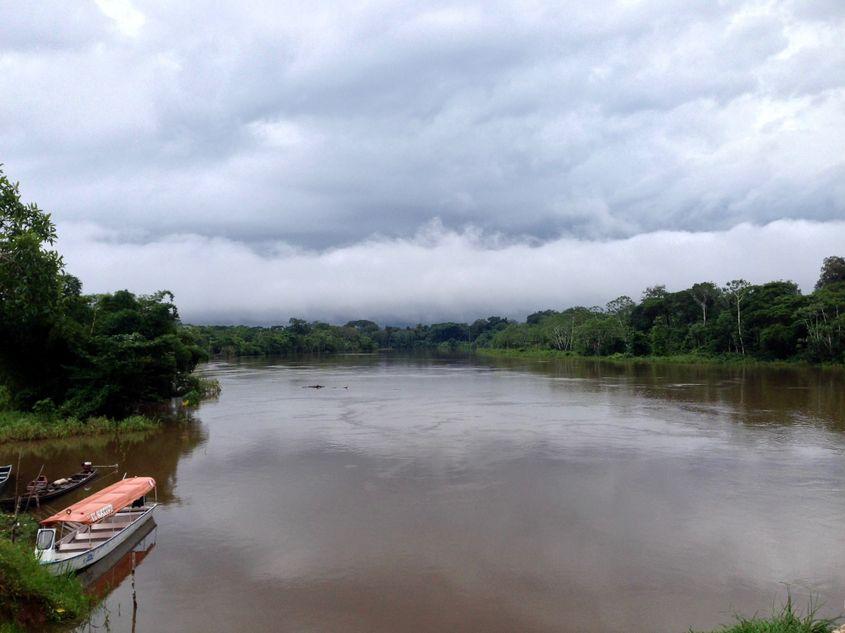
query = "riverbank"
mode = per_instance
[
  {"x": 787, "y": 620},
  {"x": 30, "y": 596},
  {"x": 18, "y": 426},
  {"x": 728, "y": 360},
  {"x": 24, "y": 426}
]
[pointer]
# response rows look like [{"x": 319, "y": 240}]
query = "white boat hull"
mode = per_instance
[{"x": 76, "y": 562}]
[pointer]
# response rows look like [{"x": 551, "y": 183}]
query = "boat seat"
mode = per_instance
[
  {"x": 75, "y": 547},
  {"x": 99, "y": 527},
  {"x": 93, "y": 536}
]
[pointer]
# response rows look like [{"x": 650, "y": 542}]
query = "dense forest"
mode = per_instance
[
  {"x": 65, "y": 353},
  {"x": 771, "y": 321}
]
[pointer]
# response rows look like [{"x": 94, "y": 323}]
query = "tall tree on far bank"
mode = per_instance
[
  {"x": 736, "y": 291},
  {"x": 833, "y": 271},
  {"x": 705, "y": 295}
]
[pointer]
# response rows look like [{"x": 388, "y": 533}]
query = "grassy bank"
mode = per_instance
[
  {"x": 728, "y": 360},
  {"x": 787, "y": 620},
  {"x": 31, "y": 597},
  {"x": 20, "y": 426}
]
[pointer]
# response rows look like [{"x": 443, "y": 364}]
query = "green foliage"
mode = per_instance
[
  {"x": 833, "y": 272},
  {"x": 32, "y": 596},
  {"x": 21, "y": 528},
  {"x": 65, "y": 353},
  {"x": 199, "y": 389},
  {"x": 787, "y": 620},
  {"x": 19, "y": 426},
  {"x": 766, "y": 322}
]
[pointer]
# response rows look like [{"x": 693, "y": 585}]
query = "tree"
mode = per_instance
[
  {"x": 363, "y": 326},
  {"x": 654, "y": 292},
  {"x": 33, "y": 289},
  {"x": 600, "y": 335},
  {"x": 535, "y": 317},
  {"x": 736, "y": 291},
  {"x": 705, "y": 295},
  {"x": 824, "y": 319},
  {"x": 448, "y": 333},
  {"x": 299, "y": 327},
  {"x": 103, "y": 354},
  {"x": 489, "y": 325},
  {"x": 833, "y": 271},
  {"x": 30, "y": 270},
  {"x": 621, "y": 308}
]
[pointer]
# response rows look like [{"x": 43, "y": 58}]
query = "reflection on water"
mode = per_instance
[
  {"x": 419, "y": 494},
  {"x": 109, "y": 575},
  {"x": 156, "y": 453}
]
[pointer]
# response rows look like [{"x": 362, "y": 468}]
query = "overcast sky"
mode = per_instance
[{"x": 409, "y": 161}]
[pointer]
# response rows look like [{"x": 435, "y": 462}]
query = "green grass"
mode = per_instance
[
  {"x": 19, "y": 426},
  {"x": 200, "y": 389},
  {"x": 729, "y": 360},
  {"x": 787, "y": 620},
  {"x": 30, "y": 596}
]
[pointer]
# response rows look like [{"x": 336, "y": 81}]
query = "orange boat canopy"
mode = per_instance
[{"x": 106, "y": 502}]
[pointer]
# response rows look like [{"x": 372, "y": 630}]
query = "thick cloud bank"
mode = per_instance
[
  {"x": 322, "y": 124},
  {"x": 438, "y": 274}
]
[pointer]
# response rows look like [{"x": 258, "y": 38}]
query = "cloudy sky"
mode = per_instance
[{"x": 409, "y": 161}]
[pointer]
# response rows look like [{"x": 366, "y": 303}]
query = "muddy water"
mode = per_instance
[{"x": 436, "y": 495}]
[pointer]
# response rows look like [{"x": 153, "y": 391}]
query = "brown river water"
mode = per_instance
[{"x": 463, "y": 494}]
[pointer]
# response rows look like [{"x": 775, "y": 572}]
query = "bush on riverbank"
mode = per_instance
[
  {"x": 20, "y": 426},
  {"x": 787, "y": 620},
  {"x": 199, "y": 389},
  {"x": 30, "y": 596}
]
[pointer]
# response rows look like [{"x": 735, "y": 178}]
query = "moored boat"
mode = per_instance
[
  {"x": 42, "y": 489},
  {"x": 5, "y": 472},
  {"x": 87, "y": 531}
]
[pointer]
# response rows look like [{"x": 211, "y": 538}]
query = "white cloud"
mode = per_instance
[
  {"x": 126, "y": 17},
  {"x": 438, "y": 274},
  {"x": 258, "y": 120}
]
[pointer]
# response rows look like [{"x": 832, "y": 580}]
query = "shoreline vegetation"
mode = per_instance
[
  {"x": 26, "y": 426},
  {"x": 18, "y": 426},
  {"x": 727, "y": 360},
  {"x": 738, "y": 322},
  {"x": 81, "y": 364},
  {"x": 73, "y": 365},
  {"x": 787, "y": 619},
  {"x": 31, "y": 597}
]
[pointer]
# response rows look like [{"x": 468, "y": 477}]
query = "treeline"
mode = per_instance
[
  {"x": 68, "y": 354},
  {"x": 300, "y": 336},
  {"x": 772, "y": 321}
]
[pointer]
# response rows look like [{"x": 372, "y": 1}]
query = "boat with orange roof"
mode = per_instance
[{"x": 87, "y": 531}]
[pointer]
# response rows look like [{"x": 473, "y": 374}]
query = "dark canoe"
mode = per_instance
[
  {"x": 39, "y": 491},
  {"x": 5, "y": 471}
]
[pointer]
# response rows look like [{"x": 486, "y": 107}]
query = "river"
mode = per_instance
[{"x": 424, "y": 494}]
